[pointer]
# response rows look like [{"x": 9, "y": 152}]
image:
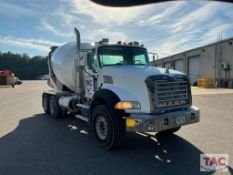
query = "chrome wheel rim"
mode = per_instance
[{"x": 101, "y": 126}]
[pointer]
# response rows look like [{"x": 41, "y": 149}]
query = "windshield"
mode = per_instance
[{"x": 121, "y": 55}]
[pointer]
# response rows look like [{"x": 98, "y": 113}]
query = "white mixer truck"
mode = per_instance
[{"x": 114, "y": 89}]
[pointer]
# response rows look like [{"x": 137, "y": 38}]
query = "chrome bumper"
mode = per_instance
[{"x": 165, "y": 121}]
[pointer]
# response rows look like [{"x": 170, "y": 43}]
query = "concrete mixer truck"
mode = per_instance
[{"x": 114, "y": 89}]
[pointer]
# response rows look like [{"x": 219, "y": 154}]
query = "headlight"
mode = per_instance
[{"x": 127, "y": 105}]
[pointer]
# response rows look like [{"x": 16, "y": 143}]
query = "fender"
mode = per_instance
[
  {"x": 110, "y": 95},
  {"x": 123, "y": 94},
  {"x": 105, "y": 96}
]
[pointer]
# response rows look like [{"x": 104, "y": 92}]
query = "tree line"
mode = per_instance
[{"x": 23, "y": 66}]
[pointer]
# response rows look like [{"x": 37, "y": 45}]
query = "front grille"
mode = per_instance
[{"x": 169, "y": 92}]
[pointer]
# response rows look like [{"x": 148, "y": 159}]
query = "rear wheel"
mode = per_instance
[
  {"x": 45, "y": 103},
  {"x": 54, "y": 108},
  {"x": 108, "y": 128},
  {"x": 169, "y": 131}
]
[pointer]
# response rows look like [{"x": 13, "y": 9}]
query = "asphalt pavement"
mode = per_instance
[{"x": 33, "y": 143}]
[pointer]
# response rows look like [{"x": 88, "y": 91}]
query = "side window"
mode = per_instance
[
  {"x": 92, "y": 62},
  {"x": 139, "y": 59}
]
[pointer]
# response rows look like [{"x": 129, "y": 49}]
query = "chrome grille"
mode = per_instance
[{"x": 171, "y": 92}]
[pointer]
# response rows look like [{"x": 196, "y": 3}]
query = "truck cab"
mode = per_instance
[{"x": 115, "y": 89}]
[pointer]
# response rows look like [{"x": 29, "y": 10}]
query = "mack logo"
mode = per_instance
[{"x": 172, "y": 103}]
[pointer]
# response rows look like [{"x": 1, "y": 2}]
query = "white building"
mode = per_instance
[{"x": 213, "y": 61}]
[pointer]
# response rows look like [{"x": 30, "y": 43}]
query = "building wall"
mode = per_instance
[
  {"x": 207, "y": 61},
  {"x": 211, "y": 58},
  {"x": 227, "y": 57}
]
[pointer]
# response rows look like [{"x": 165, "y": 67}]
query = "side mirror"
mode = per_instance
[
  {"x": 123, "y": 3},
  {"x": 154, "y": 64}
]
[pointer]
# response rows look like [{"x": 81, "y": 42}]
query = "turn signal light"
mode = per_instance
[
  {"x": 127, "y": 105},
  {"x": 130, "y": 122}
]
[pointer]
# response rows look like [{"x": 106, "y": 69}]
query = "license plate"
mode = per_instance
[{"x": 180, "y": 120}]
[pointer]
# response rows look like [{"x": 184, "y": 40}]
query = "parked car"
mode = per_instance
[{"x": 18, "y": 81}]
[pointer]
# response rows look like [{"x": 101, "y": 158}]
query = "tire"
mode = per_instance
[
  {"x": 170, "y": 131},
  {"x": 54, "y": 108},
  {"x": 111, "y": 126},
  {"x": 45, "y": 103}
]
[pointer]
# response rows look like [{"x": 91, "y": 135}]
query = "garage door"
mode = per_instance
[
  {"x": 193, "y": 68},
  {"x": 168, "y": 65},
  {"x": 179, "y": 66}
]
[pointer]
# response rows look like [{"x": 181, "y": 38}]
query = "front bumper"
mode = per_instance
[{"x": 164, "y": 121}]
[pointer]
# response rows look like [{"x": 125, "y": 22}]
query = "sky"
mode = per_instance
[{"x": 33, "y": 26}]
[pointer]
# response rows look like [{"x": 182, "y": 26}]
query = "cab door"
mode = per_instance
[{"x": 91, "y": 74}]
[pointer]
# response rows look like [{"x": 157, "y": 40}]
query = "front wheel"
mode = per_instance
[{"x": 108, "y": 128}]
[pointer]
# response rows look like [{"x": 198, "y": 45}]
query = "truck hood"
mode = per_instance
[
  {"x": 128, "y": 82},
  {"x": 138, "y": 71}
]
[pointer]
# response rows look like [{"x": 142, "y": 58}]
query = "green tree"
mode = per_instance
[{"x": 23, "y": 66}]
